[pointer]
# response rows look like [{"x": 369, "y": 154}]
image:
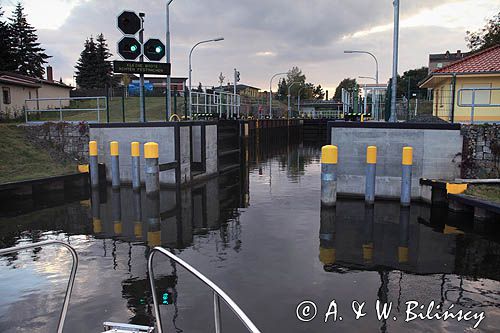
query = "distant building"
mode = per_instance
[
  {"x": 243, "y": 90},
  {"x": 17, "y": 89},
  {"x": 438, "y": 61},
  {"x": 478, "y": 70}
]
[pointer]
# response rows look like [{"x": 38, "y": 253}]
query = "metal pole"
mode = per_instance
[
  {"x": 93, "y": 164},
  {"x": 191, "y": 70},
  {"x": 329, "y": 159},
  {"x": 115, "y": 164},
  {"x": 473, "y": 106},
  {"x": 152, "y": 170},
  {"x": 141, "y": 77},
  {"x": 371, "y": 170},
  {"x": 217, "y": 313},
  {"x": 168, "y": 92},
  {"x": 136, "y": 165},
  {"x": 271, "y": 93},
  {"x": 393, "y": 117},
  {"x": 234, "y": 89},
  {"x": 406, "y": 177}
]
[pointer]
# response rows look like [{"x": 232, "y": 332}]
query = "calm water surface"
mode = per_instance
[{"x": 260, "y": 234}]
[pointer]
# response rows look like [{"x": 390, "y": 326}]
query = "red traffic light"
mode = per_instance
[{"x": 129, "y": 22}]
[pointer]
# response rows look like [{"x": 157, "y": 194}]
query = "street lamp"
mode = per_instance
[
  {"x": 375, "y": 58},
  {"x": 290, "y": 87},
  {"x": 190, "y": 69},
  {"x": 271, "y": 93},
  {"x": 169, "y": 106},
  {"x": 367, "y": 77},
  {"x": 298, "y": 98}
]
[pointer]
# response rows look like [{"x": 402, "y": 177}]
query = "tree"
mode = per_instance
[
  {"x": 29, "y": 57},
  {"x": 104, "y": 70},
  {"x": 86, "y": 75},
  {"x": 6, "y": 56},
  {"x": 282, "y": 90},
  {"x": 408, "y": 83},
  {"x": 318, "y": 92},
  {"x": 487, "y": 37},
  {"x": 347, "y": 84}
]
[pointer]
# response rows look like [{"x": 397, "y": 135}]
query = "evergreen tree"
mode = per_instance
[
  {"x": 347, "y": 84},
  {"x": 29, "y": 57},
  {"x": 86, "y": 74},
  {"x": 282, "y": 92},
  {"x": 104, "y": 70},
  {"x": 318, "y": 92},
  {"x": 6, "y": 56}
]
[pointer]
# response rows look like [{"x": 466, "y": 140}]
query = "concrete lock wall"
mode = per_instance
[
  {"x": 165, "y": 136},
  {"x": 436, "y": 155}
]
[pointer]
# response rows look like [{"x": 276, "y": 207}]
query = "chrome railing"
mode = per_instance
[
  {"x": 71, "y": 280},
  {"x": 217, "y": 294}
]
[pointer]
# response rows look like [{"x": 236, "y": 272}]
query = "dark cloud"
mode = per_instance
[{"x": 305, "y": 33}]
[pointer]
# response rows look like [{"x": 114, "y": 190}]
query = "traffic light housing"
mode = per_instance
[
  {"x": 154, "y": 49},
  {"x": 129, "y": 22},
  {"x": 129, "y": 48},
  {"x": 237, "y": 76}
]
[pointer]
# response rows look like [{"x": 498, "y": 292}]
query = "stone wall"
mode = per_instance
[
  {"x": 481, "y": 151},
  {"x": 66, "y": 140}
]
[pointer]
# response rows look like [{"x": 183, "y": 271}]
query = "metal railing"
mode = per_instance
[
  {"x": 71, "y": 280},
  {"x": 215, "y": 103},
  {"x": 65, "y": 105},
  {"x": 217, "y": 294},
  {"x": 473, "y": 104}
]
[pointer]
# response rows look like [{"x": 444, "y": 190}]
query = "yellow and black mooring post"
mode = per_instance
[
  {"x": 93, "y": 164},
  {"x": 329, "y": 160},
  {"x": 115, "y": 164},
  {"x": 152, "y": 168},
  {"x": 135, "y": 152},
  {"x": 406, "y": 176},
  {"x": 371, "y": 171}
]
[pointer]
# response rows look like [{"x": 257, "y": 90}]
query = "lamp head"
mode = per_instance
[{"x": 218, "y": 39}]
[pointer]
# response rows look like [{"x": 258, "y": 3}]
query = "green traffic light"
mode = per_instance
[
  {"x": 158, "y": 49},
  {"x": 133, "y": 48}
]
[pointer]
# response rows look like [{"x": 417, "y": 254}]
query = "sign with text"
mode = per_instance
[{"x": 133, "y": 67}]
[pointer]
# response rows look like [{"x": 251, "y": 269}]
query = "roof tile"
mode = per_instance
[{"x": 485, "y": 61}]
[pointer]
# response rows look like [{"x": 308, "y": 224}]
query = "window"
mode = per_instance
[
  {"x": 481, "y": 96},
  {"x": 440, "y": 65},
  {"x": 6, "y": 95}
]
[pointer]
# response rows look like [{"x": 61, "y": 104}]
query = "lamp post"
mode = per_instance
[
  {"x": 374, "y": 58},
  {"x": 271, "y": 93},
  {"x": 167, "y": 39},
  {"x": 298, "y": 99},
  {"x": 395, "y": 48},
  {"x": 289, "y": 106},
  {"x": 190, "y": 68}
]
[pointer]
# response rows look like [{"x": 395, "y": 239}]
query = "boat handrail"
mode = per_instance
[
  {"x": 71, "y": 280},
  {"x": 217, "y": 293}
]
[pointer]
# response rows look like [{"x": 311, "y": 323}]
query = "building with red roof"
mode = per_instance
[{"x": 472, "y": 80}]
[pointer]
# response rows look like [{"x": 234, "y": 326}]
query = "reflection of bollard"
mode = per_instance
[
  {"x": 136, "y": 162},
  {"x": 329, "y": 159},
  {"x": 371, "y": 170},
  {"x": 327, "y": 254},
  {"x": 115, "y": 164},
  {"x": 152, "y": 170},
  {"x": 96, "y": 211},
  {"x": 368, "y": 234},
  {"x": 404, "y": 234},
  {"x": 116, "y": 211},
  {"x": 153, "y": 218},
  {"x": 93, "y": 164},
  {"x": 137, "y": 215},
  {"x": 406, "y": 177}
]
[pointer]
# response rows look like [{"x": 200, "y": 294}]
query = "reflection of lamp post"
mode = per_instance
[
  {"x": 289, "y": 106},
  {"x": 168, "y": 92},
  {"x": 271, "y": 93},
  {"x": 369, "y": 53},
  {"x": 190, "y": 69}
]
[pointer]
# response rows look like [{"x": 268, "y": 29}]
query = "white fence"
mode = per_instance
[
  {"x": 215, "y": 103},
  {"x": 69, "y": 109}
]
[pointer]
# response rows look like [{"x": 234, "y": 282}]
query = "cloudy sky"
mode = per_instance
[{"x": 263, "y": 37}]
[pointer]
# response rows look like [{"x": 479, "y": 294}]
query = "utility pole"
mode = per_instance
[
  {"x": 141, "y": 77},
  {"x": 394, "y": 82}
]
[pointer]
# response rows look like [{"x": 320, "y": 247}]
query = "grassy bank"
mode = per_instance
[
  {"x": 487, "y": 192},
  {"x": 23, "y": 160}
]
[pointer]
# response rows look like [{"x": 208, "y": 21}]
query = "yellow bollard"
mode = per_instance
[
  {"x": 93, "y": 164},
  {"x": 135, "y": 151},
  {"x": 407, "y": 162},
  {"x": 371, "y": 171},
  {"x": 329, "y": 160},
  {"x": 152, "y": 168},
  {"x": 115, "y": 164}
]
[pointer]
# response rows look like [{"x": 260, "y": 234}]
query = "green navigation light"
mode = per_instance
[
  {"x": 133, "y": 48},
  {"x": 158, "y": 49}
]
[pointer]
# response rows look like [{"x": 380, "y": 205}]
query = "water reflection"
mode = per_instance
[{"x": 254, "y": 231}]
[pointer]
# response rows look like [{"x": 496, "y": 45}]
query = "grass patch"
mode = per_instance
[
  {"x": 22, "y": 160},
  {"x": 487, "y": 192}
]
